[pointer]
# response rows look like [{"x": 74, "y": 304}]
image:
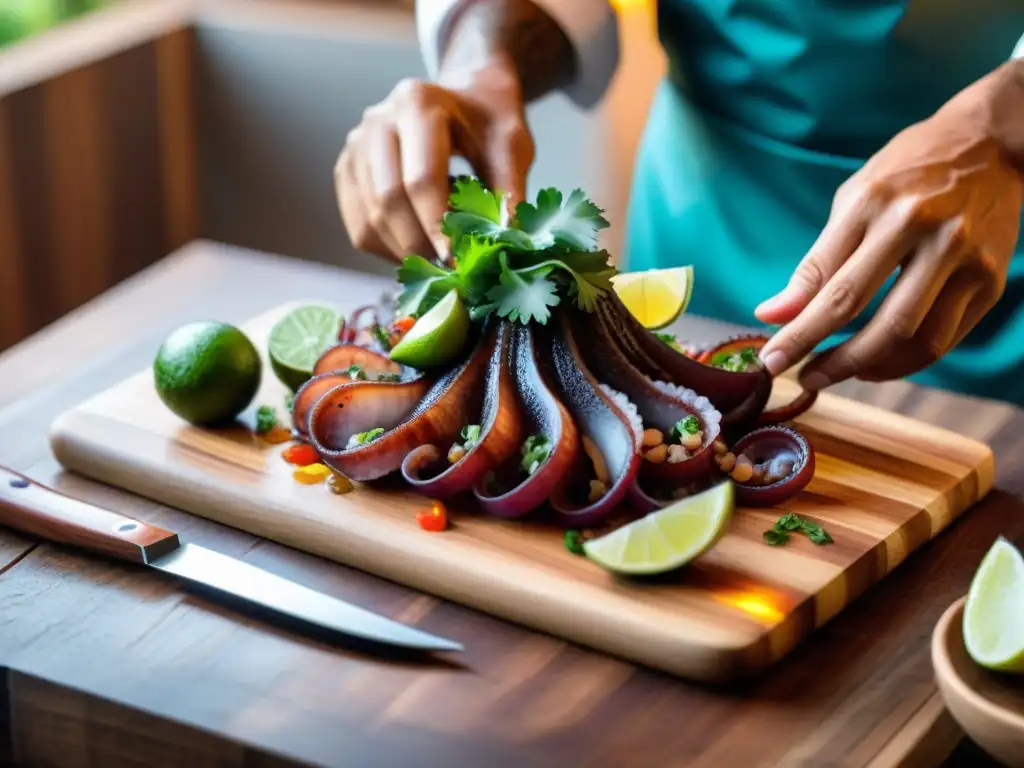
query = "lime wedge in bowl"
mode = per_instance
[
  {"x": 655, "y": 297},
  {"x": 298, "y": 340},
  {"x": 437, "y": 337},
  {"x": 669, "y": 538},
  {"x": 994, "y": 611}
]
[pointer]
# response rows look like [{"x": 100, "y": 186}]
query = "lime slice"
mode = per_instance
[
  {"x": 655, "y": 297},
  {"x": 298, "y": 339},
  {"x": 437, "y": 337},
  {"x": 666, "y": 539},
  {"x": 994, "y": 611}
]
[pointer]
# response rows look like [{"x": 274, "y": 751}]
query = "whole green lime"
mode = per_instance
[{"x": 207, "y": 372}]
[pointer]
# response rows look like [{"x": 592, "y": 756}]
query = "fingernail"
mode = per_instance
[
  {"x": 785, "y": 296},
  {"x": 774, "y": 361},
  {"x": 815, "y": 380}
]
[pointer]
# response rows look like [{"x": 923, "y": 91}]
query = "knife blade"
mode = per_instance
[{"x": 32, "y": 508}]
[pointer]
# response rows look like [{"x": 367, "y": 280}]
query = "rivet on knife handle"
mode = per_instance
[{"x": 29, "y": 507}]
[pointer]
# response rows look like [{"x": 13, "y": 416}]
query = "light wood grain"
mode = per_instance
[
  {"x": 884, "y": 485},
  {"x": 133, "y": 665}
]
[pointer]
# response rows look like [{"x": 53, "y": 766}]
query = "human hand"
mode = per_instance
[
  {"x": 941, "y": 202},
  {"x": 391, "y": 178}
]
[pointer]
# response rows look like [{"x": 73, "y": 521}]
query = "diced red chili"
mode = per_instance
[
  {"x": 435, "y": 519},
  {"x": 301, "y": 454}
]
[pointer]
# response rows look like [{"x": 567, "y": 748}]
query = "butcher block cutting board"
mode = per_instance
[{"x": 884, "y": 485}]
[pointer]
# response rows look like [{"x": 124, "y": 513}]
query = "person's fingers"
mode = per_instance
[
  {"x": 388, "y": 204},
  {"x": 985, "y": 297},
  {"x": 935, "y": 336},
  {"x": 895, "y": 323},
  {"x": 506, "y": 161},
  {"x": 843, "y": 297},
  {"x": 842, "y": 234},
  {"x": 426, "y": 151},
  {"x": 353, "y": 212},
  {"x": 375, "y": 213}
]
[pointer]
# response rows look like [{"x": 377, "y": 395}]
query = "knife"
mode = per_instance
[{"x": 27, "y": 506}]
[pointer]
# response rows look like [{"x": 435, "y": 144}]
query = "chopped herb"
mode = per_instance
[
  {"x": 574, "y": 542},
  {"x": 816, "y": 533},
  {"x": 779, "y": 534},
  {"x": 688, "y": 425},
  {"x": 266, "y": 419},
  {"x": 389, "y": 377},
  {"x": 356, "y": 373},
  {"x": 368, "y": 437},
  {"x": 470, "y": 435},
  {"x": 735, "y": 361},
  {"x": 518, "y": 266},
  {"x": 776, "y": 538},
  {"x": 382, "y": 336},
  {"x": 289, "y": 401},
  {"x": 669, "y": 339},
  {"x": 536, "y": 450}
]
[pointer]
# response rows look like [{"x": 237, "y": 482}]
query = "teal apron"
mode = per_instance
[{"x": 768, "y": 106}]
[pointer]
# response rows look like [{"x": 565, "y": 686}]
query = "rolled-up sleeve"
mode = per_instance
[{"x": 590, "y": 25}]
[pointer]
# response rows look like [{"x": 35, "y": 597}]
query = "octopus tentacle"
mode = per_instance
[
  {"x": 341, "y": 357},
  {"x": 735, "y": 345},
  {"x": 787, "y": 461},
  {"x": 738, "y": 395},
  {"x": 660, "y": 404},
  {"x": 411, "y": 413},
  {"x": 505, "y": 494},
  {"x": 606, "y": 417},
  {"x": 501, "y": 433},
  {"x": 309, "y": 394}
]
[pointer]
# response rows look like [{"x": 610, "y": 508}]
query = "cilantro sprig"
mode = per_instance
[
  {"x": 517, "y": 266},
  {"x": 789, "y": 522}
]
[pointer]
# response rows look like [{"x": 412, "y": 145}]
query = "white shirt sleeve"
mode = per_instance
[
  {"x": 1018, "y": 50},
  {"x": 590, "y": 25}
]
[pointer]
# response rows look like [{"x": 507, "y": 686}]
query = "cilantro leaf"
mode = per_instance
[
  {"x": 477, "y": 266},
  {"x": 524, "y": 298},
  {"x": 475, "y": 210},
  {"x": 587, "y": 287},
  {"x": 425, "y": 285},
  {"x": 779, "y": 534},
  {"x": 470, "y": 196},
  {"x": 573, "y": 226},
  {"x": 815, "y": 532},
  {"x": 775, "y": 538}
]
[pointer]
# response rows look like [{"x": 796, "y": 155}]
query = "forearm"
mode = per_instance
[
  {"x": 995, "y": 107},
  {"x": 511, "y": 35}
]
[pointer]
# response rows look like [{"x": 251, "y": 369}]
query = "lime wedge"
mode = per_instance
[
  {"x": 994, "y": 611},
  {"x": 298, "y": 339},
  {"x": 669, "y": 538},
  {"x": 437, "y": 337},
  {"x": 655, "y": 297}
]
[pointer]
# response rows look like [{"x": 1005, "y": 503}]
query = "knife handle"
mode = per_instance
[{"x": 27, "y": 506}]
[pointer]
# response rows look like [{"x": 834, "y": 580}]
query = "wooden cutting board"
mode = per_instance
[{"x": 884, "y": 485}]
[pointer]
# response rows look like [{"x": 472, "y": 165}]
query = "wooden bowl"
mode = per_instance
[{"x": 987, "y": 705}]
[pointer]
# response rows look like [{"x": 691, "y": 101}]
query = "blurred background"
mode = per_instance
[{"x": 131, "y": 127}]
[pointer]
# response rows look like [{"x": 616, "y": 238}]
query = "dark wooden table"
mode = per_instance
[{"x": 110, "y": 666}]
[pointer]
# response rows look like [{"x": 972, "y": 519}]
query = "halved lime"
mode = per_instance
[
  {"x": 994, "y": 611},
  {"x": 655, "y": 297},
  {"x": 669, "y": 538},
  {"x": 298, "y": 339},
  {"x": 437, "y": 337}
]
